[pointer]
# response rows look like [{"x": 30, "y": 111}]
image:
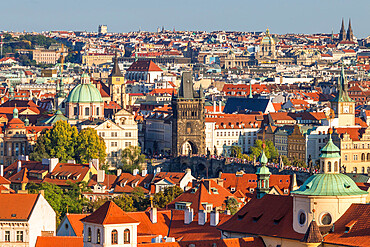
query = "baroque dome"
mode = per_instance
[
  {"x": 329, "y": 184},
  {"x": 267, "y": 40},
  {"x": 84, "y": 93}
]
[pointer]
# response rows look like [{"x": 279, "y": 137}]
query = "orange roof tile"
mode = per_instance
[
  {"x": 17, "y": 206},
  {"x": 75, "y": 221},
  {"x": 59, "y": 241},
  {"x": 109, "y": 213}
]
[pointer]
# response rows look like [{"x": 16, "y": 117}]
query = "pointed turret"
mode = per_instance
[
  {"x": 116, "y": 71},
  {"x": 186, "y": 89},
  {"x": 313, "y": 234},
  {"x": 263, "y": 176},
  {"x": 250, "y": 91},
  {"x": 343, "y": 88},
  {"x": 342, "y": 32},
  {"x": 349, "y": 31}
]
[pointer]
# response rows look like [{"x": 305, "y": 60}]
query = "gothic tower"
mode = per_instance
[
  {"x": 349, "y": 32},
  {"x": 342, "y": 105},
  {"x": 342, "y": 33},
  {"x": 116, "y": 83},
  {"x": 188, "y": 124}
]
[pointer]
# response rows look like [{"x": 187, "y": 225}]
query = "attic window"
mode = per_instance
[
  {"x": 347, "y": 186},
  {"x": 14, "y": 215},
  {"x": 278, "y": 219},
  {"x": 241, "y": 216},
  {"x": 257, "y": 217},
  {"x": 350, "y": 225}
]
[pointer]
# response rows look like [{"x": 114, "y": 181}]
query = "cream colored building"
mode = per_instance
[
  {"x": 45, "y": 56},
  {"x": 92, "y": 59}
]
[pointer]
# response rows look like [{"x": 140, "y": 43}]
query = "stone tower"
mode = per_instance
[
  {"x": 349, "y": 32},
  {"x": 342, "y": 32},
  {"x": 116, "y": 83},
  {"x": 188, "y": 125},
  {"x": 342, "y": 105}
]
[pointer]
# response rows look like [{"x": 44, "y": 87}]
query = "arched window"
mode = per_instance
[
  {"x": 97, "y": 111},
  {"x": 363, "y": 170},
  {"x": 329, "y": 166},
  {"x": 114, "y": 237},
  {"x": 335, "y": 166},
  {"x": 98, "y": 236},
  {"x": 355, "y": 169},
  {"x": 126, "y": 236},
  {"x": 362, "y": 157},
  {"x": 89, "y": 234},
  {"x": 368, "y": 157}
]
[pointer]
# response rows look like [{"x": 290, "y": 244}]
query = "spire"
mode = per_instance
[
  {"x": 250, "y": 91},
  {"x": 263, "y": 176},
  {"x": 342, "y": 33},
  {"x": 342, "y": 88},
  {"x": 116, "y": 71},
  {"x": 313, "y": 234},
  {"x": 349, "y": 31},
  {"x": 186, "y": 89},
  {"x": 15, "y": 112}
]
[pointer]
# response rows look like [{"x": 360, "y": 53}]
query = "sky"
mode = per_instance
[{"x": 280, "y": 16}]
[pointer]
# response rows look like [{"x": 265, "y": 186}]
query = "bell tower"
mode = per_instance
[
  {"x": 188, "y": 124},
  {"x": 116, "y": 83},
  {"x": 342, "y": 105}
]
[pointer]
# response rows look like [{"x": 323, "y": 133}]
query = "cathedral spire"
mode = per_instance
[
  {"x": 349, "y": 31},
  {"x": 116, "y": 71},
  {"x": 342, "y": 33}
]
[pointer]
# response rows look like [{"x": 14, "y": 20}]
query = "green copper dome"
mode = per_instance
[
  {"x": 329, "y": 184},
  {"x": 84, "y": 93},
  {"x": 267, "y": 40}
]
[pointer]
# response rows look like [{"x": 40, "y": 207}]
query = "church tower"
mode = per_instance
[
  {"x": 342, "y": 105},
  {"x": 188, "y": 124},
  {"x": 116, "y": 83},
  {"x": 349, "y": 32},
  {"x": 263, "y": 177},
  {"x": 342, "y": 32}
]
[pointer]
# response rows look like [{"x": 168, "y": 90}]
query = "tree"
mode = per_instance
[
  {"x": 163, "y": 198},
  {"x": 90, "y": 146},
  {"x": 141, "y": 202},
  {"x": 132, "y": 158},
  {"x": 270, "y": 150},
  {"x": 58, "y": 142},
  {"x": 236, "y": 151},
  {"x": 65, "y": 143},
  {"x": 125, "y": 202},
  {"x": 232, "y": 205}
]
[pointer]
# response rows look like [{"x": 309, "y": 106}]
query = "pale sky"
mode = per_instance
[{"x": 281, "y": 16}]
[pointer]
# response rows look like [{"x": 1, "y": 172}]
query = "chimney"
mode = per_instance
[
  {"x": 90, "y": 164},
  {"x": 157, "y": 170},
  {"x": 188, "y": 216},
  {"x": 53, "y": 162},
  {"x": 101, "y": 176},
  {"x": 220, "y": 104},
  {"x": 153, "y": 215},
  {"x": 202, "y": 217},
  {"x": 42, "y": 192},
  {"x": 119, "y": 171},
  {"x": 294, "y": 182},
  {"x": 135, "y": 172},
  {"x": 188, "y": 171},
  {"x": 71, "y": 162},
  {"x": 214, "y": 107},
  {"x": 214, "y": 218},
  {"x": 95, "y": 162},
  {"x": 144, "y": 172},
  {"x": 2, "y": 170},
  {"x": 19, "y": 166}
]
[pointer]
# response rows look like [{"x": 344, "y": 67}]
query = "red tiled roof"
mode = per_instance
[
  {"x": 75, "y": 221},
  {"x": 144, "y": 65},
  {"x": 227, "y": 242},
  {"x": 17, "y": 206},
  {"x": 352, "y": 228},
  {"x": 271, "y": 215},
  {"x": 109, "y": 213},
  {"x": 4, "y": 180},
  {"x": 354, "y": 132},
  {"x": 59, "y": 241}
]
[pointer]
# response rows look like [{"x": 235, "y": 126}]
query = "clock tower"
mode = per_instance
[{"x": 342, "y": 105}]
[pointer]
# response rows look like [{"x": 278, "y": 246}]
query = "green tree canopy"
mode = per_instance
[
  {"x": 89, "y": 146},
  {"x": 132, "y": 158},
  {"x": 236, "y": 151},
  {"x": 65, "y": 143},
  {"x": 162, "y": 198},
  {"x": 232, "y": 205},
  {"x": 270, "y": 150}
]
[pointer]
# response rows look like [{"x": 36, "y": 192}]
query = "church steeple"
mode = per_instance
[
  {"x": 349, "y": 31},
  {"x": 116, "y": 71},
  {"x": 342, "y": 33},
  {"x": 263, "y": 176}
]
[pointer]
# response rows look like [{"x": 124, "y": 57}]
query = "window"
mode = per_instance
[
  {"x": 98, "y": 236},
  {"x": 87, "y": 111},
  {"x": 97, "y": 111},
  {"x": 114, "y": 134},
  {"x": 75, "y": 111},
  {"x": 301, "y": 217},
  {"x": 329, "y": 166},
  {"x": 326, "y": 219},
  {"x": 7, "y": 236},
  {"x": 102, "y": 134},
  {"x": 113, "y": 144},
  {"x": 19, "y": 236},
  {"x": 128, "y": 134},
  {"x": 114, "y": 237},
  {"x": 127, "y": 144},
  {"x": 126, "y": 236},
  {"x": 335, "y": 166},
  {"x": 89, "y": 234}
]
